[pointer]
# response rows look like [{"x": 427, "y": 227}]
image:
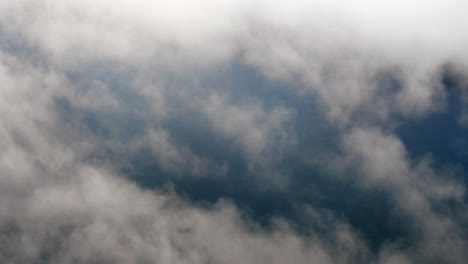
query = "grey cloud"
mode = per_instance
[
  {"x": 383, "y": 161},
  {"x": 176, "y": 159},
  {"x": 97, "y": 217},
  {"x": 57, "y": 206},
  {"x": 336, "y": 54},
  {"x": 258, "y": 131}
]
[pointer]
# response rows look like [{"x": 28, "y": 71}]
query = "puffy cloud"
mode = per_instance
[
  {"x": 65, "y": 64},
  {"x": 260, "y": 133},
  {"x": 338, "y": 50},
  {"x": 97, "y": 217},
  {"x": 417, "y": 190},
  {"x": 58, "y": 208}
]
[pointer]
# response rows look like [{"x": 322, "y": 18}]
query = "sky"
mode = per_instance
[{"x": 230, "y": 131}]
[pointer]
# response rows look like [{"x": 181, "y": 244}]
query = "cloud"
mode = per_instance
[
  {"x": 176, "y": 159},
  {"x": 259, "y": 132},
  {"x": 58, "y": 208},
  {"x": 416, "y": 188},
  {"x": 108, "y": 79},
  {"x": 337, "y": 50},
  {"x": 97, "y": 217}
]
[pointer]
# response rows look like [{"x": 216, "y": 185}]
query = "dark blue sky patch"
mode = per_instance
[
  {"x": 439, "y": 134},
  {"x": 370, "y": 212}
]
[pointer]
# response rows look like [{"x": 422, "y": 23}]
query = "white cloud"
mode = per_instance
[
  {"x": 56, "y": 206},
  {"x": 98, "y": 217},
  {"x": 337, "y": 49}
]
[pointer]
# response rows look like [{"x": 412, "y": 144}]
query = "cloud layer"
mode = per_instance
[{"x": 90, "y": 90}]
